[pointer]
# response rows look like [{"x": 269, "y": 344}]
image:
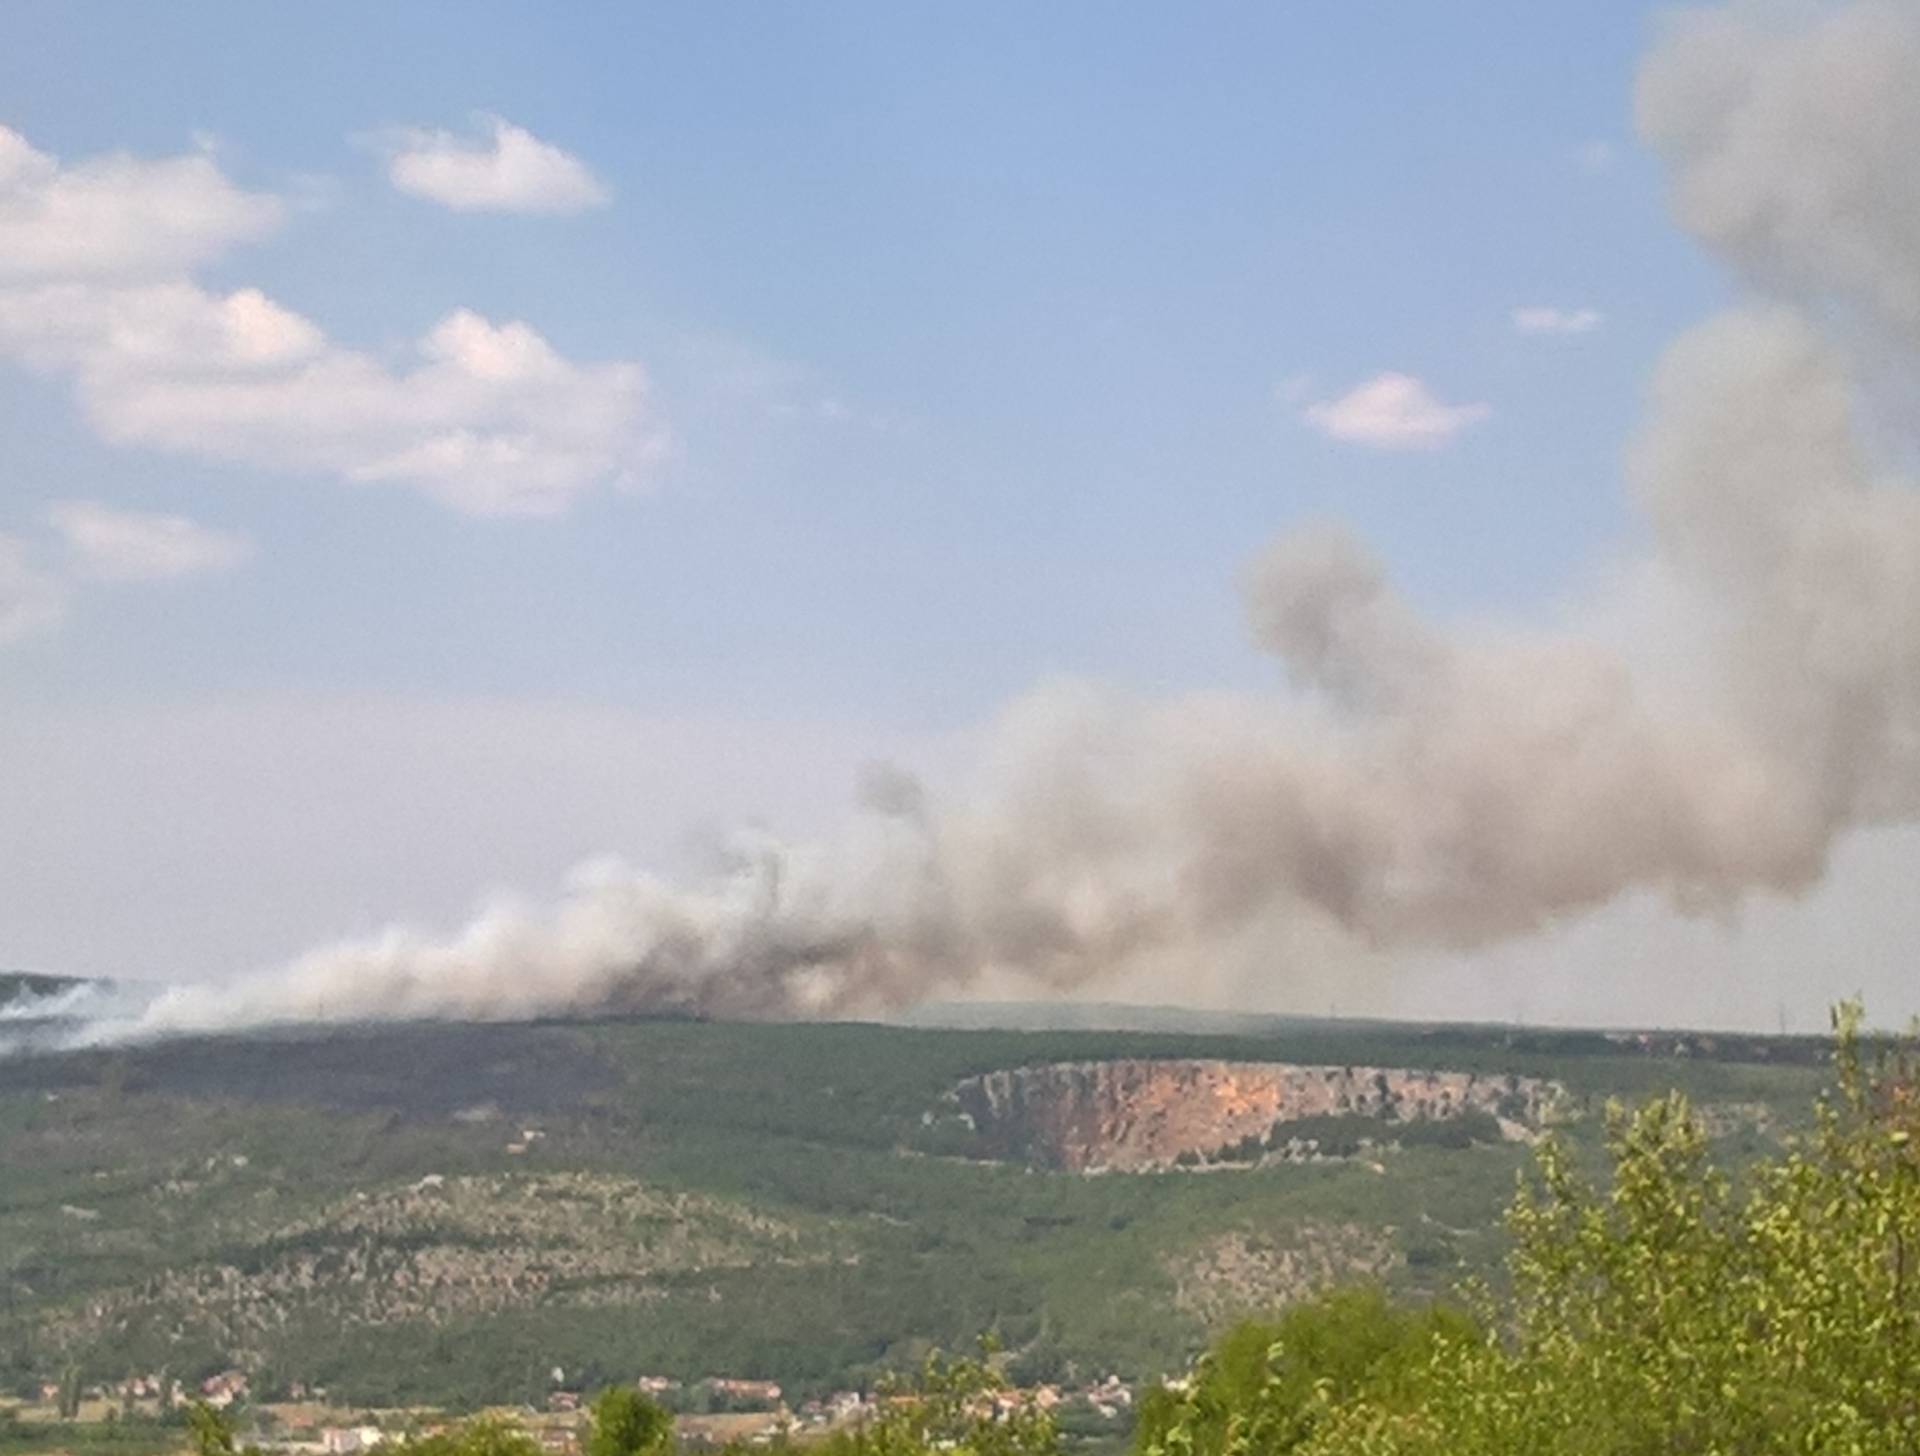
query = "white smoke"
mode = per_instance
[{"x": 1420, "y": 787}]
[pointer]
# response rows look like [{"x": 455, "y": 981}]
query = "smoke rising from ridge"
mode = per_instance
[{"x": 1422, "y": 785}]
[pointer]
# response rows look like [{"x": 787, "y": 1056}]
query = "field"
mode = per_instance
[{"x": 446, "y": 1213}]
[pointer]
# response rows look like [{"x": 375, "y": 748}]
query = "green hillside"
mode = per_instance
[{"x": 446, "y": 1212}]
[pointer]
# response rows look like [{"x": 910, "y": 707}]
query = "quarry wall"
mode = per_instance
[{"x": 1142, "y": 1114}]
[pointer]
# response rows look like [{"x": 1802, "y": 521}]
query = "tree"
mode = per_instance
[
  {"x": 68, "y": 1402},
  {"x": 483, "y": 1437},
  {"x": 952, "y": 1406},
  {"x": 628, "y": 1423},
  {"x": 1267, "y": 1384},
  {"x": 1669, "y": 1311},
  {"x": 210, "y": 1431}
]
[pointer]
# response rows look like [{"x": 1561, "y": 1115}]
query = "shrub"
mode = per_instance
[{"x": 1669, "y": 1312}]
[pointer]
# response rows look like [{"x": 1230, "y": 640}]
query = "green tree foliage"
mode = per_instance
[
  {"x": 1266, "y": 1385},
  {"x": 102, "y": 1438},
  {"x": 486, "y": 1436},
  {"x": 209, "y": 1430},
  {"x": 954, "y": 1406},
  {"x": 67, "y": 1405},
  {"x": 1669, "y": 1312},
  {"x": 627, "y": 1423}
]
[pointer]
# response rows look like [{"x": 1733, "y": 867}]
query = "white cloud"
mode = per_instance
[
  {"x": 118, "y": 216},
  {"x": 31, "y": 598},
  {"x": 1546, "y": 320},
  {"x": 110, "y": 544},
  {"x": 101, "y": 543},
  {"x": 510, "y": 170},
  {"x": 1393, "y": 412},
  {"x": 486, "y": 417}
]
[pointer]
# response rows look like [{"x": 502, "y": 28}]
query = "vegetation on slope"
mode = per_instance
[
  {"x": 1676, "y": 1306},
  {"x": 1676, "y": 1310},
  {"x": 702, "y": 1199}
]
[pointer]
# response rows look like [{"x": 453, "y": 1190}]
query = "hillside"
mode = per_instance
[
  {"x": 25, "y": 987},
  {"x": 447, "y": 1211}
]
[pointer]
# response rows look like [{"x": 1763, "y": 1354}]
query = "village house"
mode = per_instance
[
  {"x": 347, "y": 1440},
  {"x": 222, "y": 1390},
  {"x": 745, "y": 1392},
  {"x": 846, "y": 1405}
]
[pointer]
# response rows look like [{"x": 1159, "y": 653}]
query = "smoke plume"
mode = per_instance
[{"x": 1419, "y": 785}]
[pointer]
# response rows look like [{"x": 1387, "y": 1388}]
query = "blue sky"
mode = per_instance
[
  {"x": 982, "y": 337},
  {"x": 1054, "y": 267}
]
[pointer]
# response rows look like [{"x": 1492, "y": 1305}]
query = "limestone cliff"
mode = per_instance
[{"x": 1130, "y": 1115}]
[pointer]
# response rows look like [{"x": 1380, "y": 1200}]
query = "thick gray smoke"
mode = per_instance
[{"x": 1419, "y": 786}]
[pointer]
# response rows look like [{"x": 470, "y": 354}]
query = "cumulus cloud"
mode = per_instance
[
  {"x": 97, "y": 543},
  {"x": 1393, "y": 412},
  {"x": 1548, "y": 320},
  {"x": 485, "y": 416},
  {"x": 110, "y": 544},
  {"x": 119, "y": 216},
  {"x": 488, "y": 418},
  {"x": 509, "y": 169}
]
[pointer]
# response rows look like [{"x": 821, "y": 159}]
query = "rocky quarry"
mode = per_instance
[{"x": 1147, "y": 1114}]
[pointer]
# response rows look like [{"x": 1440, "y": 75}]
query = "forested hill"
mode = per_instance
[{"x": 449, "y": 1211}]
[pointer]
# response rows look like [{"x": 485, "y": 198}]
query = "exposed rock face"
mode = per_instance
[{"x": 1131, "y": 1115}]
